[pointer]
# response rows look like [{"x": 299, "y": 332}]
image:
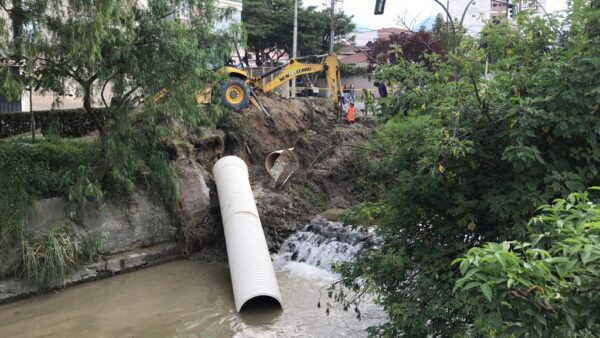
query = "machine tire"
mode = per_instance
[
  {"x": 235, "y": 94},
  {"x": 307, "y": 93}
]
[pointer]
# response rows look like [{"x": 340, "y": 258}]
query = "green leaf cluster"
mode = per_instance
[
  {"x": 548, "y": 286},
  {"x": 470, "y": 145},
  {"x": 269, "y": 25}
]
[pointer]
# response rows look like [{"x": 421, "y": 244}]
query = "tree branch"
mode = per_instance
[
  {"x": 131, "y": 91},
  {"x": 171, "y": 12},
  {"x": 70, "y": 72},
  {"x": 523, "y": 295},
  {"x": 484, "y": 109},
  {"x": 5, "y": 9},
  {"x": 403, "y": 22},
  {"x": 102, "y": 92},
  {"x": 449, "y": 17}
]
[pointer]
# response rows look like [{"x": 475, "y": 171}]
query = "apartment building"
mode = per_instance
[{"x": 476, "y": 13}]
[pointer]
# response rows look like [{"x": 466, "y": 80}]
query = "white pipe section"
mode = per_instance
[{"x": 251, "y": 269}]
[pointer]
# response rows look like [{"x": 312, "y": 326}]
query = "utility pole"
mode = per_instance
[
  {"x": 295, "y": 44},
  {"x": 332, "y": 26}
]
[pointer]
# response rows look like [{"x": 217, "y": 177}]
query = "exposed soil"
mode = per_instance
[{"x": 325, "y": 160}]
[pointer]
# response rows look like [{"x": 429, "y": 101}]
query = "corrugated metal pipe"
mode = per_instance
[{"x": 277, "y": 161}]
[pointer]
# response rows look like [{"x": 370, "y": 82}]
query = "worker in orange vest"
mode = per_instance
[{"x": 350, "y": 113}]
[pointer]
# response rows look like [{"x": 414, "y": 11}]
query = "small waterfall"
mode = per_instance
[{"x": 312, "y": 251}]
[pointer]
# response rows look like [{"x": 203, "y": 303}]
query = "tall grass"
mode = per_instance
[{"x": 46, "y": 259}]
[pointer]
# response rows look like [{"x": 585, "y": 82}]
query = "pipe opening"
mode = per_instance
[
  {"x": 261, "y": 303},
  {"x": 277, "y": 162},
  {"x": 270, "y": 160}
]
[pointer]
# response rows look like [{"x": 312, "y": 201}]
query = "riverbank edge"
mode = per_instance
[{"x": 13, "y": 289}]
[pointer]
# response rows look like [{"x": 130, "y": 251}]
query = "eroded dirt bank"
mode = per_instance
[{"x": 319, "y": 175}]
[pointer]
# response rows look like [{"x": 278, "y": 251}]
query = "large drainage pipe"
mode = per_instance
[
  {"x": 277, "y": 161},
  {"x": 252, "y": 274}
]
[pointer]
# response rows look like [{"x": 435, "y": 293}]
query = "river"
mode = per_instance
[{"x": 194, "y": 299}]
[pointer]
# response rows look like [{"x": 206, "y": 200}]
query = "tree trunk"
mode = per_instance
[
  {"x": 17, "y": 16},
  {"x": 32, "y": 114},
  {"x": 99, "y": 121},
  {"x": 103, "y": 163}
]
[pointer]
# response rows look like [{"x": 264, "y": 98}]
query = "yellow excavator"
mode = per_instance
[{"x": 239, "y": 87}]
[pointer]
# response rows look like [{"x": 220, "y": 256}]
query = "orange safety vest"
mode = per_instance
[{"x": 350, "y": 114}]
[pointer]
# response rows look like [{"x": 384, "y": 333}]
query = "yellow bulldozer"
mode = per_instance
[{"x": 239, "y": 87}]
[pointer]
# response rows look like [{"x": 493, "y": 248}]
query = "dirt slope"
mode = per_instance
[{"x": 324, "y": 155}]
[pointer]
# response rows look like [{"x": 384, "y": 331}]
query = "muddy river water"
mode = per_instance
[{"x": 190, "y": 299}]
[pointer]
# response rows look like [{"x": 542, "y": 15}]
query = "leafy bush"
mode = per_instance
[
  {"x": 546, "y": 287},
  {"x": 366, "y": 213},
  {"x": 33, "y": 170},
  {"x": 467, "y": 154},
  {"x": 66, "y": 123}
]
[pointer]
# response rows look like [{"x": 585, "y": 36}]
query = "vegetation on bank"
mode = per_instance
[
  {"x": 35, "y": 170},
  {"x": 43, "y": 169},
  {"x": 545, "y": 285},
  {"x": 153, "y": 64},
  {"x": 472, "y": 142}
]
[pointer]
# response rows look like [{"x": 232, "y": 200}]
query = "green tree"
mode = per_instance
[
  {"x": 269, "y": 27},
  {"x": 464, "y": 158},
  {"x": 138, "y": 68},
  {"x": 314, "y": 30},
  {"x": 443, "y": 33},
  {"x": 135, "y": 50},
  {"x": 17, "y": 21}
]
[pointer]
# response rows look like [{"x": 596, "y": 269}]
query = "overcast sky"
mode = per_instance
[{"x": 362, "y": 10}]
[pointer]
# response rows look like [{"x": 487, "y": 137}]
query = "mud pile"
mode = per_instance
[{"x": 318, "y": 176}]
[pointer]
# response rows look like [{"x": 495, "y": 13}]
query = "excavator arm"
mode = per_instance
[
  {"x": 295, "y": 68},
  {"x": 290, "y": 71},
  {"x": 235, "y": 93}
]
